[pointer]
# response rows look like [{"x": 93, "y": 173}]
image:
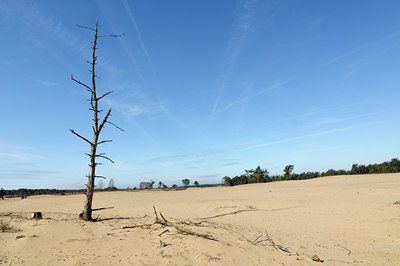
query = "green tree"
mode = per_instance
[
  {"x": 174, "y": 186},
  {"x": 2, "y": 193},
  {"x": 227, "y": 181},
  {"x": 257, "y": 175},
  {"x": 288, "y": 171},
  {"x": 186, "y": 182},
  {"x": 196, "y": 184}
]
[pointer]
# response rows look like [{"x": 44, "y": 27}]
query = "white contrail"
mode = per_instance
[
  {"x": 239, "y": 28},
  {"x": 322, "y": 65},
  {"x": 129, "y": 11}
]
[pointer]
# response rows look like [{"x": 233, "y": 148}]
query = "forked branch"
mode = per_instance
[{"x": 266, "y": 237}]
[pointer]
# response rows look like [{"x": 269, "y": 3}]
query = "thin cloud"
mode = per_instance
[
  {"x": 347, "y": 54},
  {"x": 239, "y": 28},
  {"x": 305, "y": 73},
  {"x": 40, "y": 27},
  {"x": 190, "y": 157},
  {"x": 317, "y": 134},
  {"x": 229, "y": 164},
  {"x": 247, "y": 98},
  {"x": 25, "y": 173},
  {"x": 168, "y": 158},
  {"x": 319, "y": 150},
  {"x": 151, "y": 102},
  {"x": 329, "y": 109},
  {"x": 129, "y": 111},
  {"x": 208, "y": 176},
  {"x": 18, "y": 152},
  {"x": 334, "y": 120},
  {"x": 137, "y": 102},
  {"x": 145, "y": 133},
  {"x": 139, "y": 35},
  {"x": 47, "y": 83},
  {"x": 127, "y": 49},
  {"x": 200, "y": 157}
]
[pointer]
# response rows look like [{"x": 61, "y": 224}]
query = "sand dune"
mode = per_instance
[{"x": 342, "y": 219}]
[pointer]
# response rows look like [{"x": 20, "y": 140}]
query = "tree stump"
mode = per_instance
[{"x": 37, "y": 215}]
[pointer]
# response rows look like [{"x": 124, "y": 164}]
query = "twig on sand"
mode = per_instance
[
  {"x": 282, "y": 248},
  {"x": 146, "y": 226},
  {"x": 214, "y": 259},
  {"x": 349, "y": 251},
  {"x": 182, "y": 230},
  {"x": 165, "y": 231}
]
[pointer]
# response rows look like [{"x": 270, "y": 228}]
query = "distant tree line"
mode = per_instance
[
  {"x": 27, "y": 191},
  {"x": 260, "y": 175}
]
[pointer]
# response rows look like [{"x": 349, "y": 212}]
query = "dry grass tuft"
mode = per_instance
[{"x": 5, "y": 226}]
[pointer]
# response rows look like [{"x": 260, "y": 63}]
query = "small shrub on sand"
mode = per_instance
[
  {"x": 397, "y": 202},
  {"x": 5, "y": 226}
]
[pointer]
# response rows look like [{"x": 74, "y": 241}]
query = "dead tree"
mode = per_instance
[{"x": 97, "y": 127}]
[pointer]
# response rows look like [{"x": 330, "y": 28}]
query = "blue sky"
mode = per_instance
[{"x": 203, "y": 89}]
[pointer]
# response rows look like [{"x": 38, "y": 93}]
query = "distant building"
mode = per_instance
[{"x": 146, "y": 185}]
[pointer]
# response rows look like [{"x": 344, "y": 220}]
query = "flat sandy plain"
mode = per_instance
[{"x": 342, "y": 219}]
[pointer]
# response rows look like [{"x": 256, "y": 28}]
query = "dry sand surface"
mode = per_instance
[{"x": 342, "y": 219}]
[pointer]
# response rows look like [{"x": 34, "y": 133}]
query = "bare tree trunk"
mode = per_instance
[
  {"x": 87, "y": 209},
  {"x": 94, "y": 101}
]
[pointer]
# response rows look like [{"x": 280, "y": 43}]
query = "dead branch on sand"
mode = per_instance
[
  {"x": 181, "y": 230},
  {"x": 259, "y": 239},
  {"x": 164, "y": 223}
]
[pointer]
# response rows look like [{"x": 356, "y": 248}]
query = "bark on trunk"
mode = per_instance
[
  {"x": 86, "y": 214},
  {"x": 87, "y": 209}
]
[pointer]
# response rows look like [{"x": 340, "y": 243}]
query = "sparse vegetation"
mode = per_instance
[{"x": 5, "y": 226}]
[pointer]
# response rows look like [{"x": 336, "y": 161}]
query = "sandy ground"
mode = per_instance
[{"x": 342, "y": 219}]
